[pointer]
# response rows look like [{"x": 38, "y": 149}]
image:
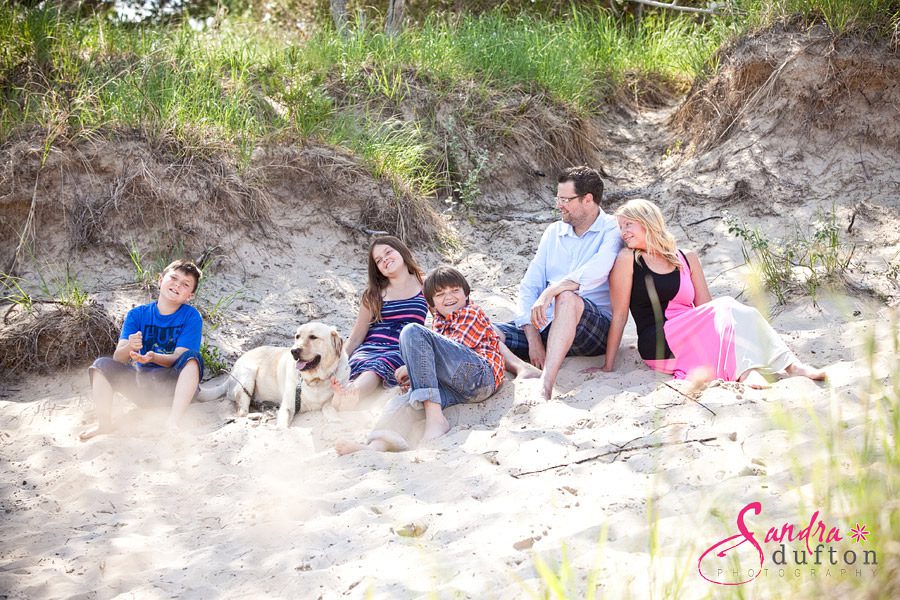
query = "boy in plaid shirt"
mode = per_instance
[{"x": 458, "y": 360}]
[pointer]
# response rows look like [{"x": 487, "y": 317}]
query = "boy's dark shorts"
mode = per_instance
[
  {"x": 590, "y": 334},
  {"x": 144, "y": 386}
]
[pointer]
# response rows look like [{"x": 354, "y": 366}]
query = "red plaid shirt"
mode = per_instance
[{"x": 470, "y": 327}]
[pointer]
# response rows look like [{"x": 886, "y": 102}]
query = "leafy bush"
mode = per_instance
[{"x": 818, "y": 252}]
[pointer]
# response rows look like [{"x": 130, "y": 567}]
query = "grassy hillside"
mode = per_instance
[{"x": 241, "y": 82}]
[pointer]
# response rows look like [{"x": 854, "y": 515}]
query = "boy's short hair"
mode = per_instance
[
  {"x": 187, "y": 267},
  {"x": 443, "y": 277}
]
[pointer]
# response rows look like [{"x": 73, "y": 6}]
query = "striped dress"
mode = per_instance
[{"x": 380, "y": 351}]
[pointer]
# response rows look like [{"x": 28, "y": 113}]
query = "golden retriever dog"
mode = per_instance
[{"x": 274, "y": 374}]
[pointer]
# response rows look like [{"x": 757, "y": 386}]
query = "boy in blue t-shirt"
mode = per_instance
[{"x": 158, "y": 352}]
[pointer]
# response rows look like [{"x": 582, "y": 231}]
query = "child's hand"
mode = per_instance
[
  {"x": 402, "y": 375},
  {"x": 143, "y": 358},
  {"x": 135, "y": 341}
]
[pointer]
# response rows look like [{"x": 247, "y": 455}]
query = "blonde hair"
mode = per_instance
[{"x": 660, "y": 240}]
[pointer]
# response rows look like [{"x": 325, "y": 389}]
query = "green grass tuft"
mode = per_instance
[
  {"x": 242, "y": 83},
  {"x": 818, "y": 252}
]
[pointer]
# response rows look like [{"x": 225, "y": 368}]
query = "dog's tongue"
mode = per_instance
[{"x": 301, "y": 364}]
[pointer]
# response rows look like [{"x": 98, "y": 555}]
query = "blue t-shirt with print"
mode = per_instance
[{"x": 163, "y": 333}]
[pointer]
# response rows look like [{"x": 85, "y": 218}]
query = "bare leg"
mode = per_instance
[
  {"x": 517, "y": 366},
  {"x": 380, "y": 440},
  {"x": 569, "y": 308},
  {"x": 347, "y": 397},
  {"x": 102, "y": 395},
  {"x": 436, "y": 424},
  {"x": 799, "y": 369},
  {"x": 755, "y": 380},
  {"x": 185, "y": 390},
  {"x": 344, "y": 447}
]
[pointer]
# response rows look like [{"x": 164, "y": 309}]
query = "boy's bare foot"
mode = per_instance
[
  {"x": 435, "y": 428},
  {"x": 344, "y": 447},
  {"x": 384, "y": 440},
  {"x": 755, "y": 380},
  {"x": 799, "y": 369},
  {"x": 92, "y": 432},
  {"x": 173, "y": 428},
  {"x": 379, "y": 441},
  {"x": 345, "y": 397},
  {"x": 528, "y": 371}
]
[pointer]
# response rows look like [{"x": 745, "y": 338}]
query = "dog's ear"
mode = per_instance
[{"x": 337, "y": 341}]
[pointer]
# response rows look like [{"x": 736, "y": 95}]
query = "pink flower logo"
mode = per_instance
[{"x": 859, "y": 533}]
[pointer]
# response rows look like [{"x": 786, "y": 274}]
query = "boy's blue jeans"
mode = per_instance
[
  {"x": 441, "y": 370},
  {"x": 144, "y": 386}
]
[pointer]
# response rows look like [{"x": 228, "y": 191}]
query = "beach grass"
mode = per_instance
[
  {"x": 817, "y": 250},
  {"x": 241, "y": 84},
  {"x": 839, "y": 15}
]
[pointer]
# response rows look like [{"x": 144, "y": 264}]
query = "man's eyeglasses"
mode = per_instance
[{"x": 565, "y": 200}]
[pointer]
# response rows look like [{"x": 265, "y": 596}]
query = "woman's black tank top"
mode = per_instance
[{"x": 650, "y": 296}]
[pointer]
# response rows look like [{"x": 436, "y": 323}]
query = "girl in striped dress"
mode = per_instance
[{"x": 392, "y": 299}]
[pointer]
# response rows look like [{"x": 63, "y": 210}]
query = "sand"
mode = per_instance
[{"x": 235, "y": 507}]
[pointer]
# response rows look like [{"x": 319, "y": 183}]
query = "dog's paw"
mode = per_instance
[{"x": 284, "y": 420}]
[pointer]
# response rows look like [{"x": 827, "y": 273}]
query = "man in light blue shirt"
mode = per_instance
[{"x": 564, "y": 304}]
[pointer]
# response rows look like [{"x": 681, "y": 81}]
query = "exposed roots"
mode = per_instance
[
  {"x": 116, "y": 188},
  {"x": 798, "y": 82},
  {"x": 54, "y": 336},
  {"x": 340, "y": 184}
]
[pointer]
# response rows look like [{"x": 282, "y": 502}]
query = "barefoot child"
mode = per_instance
[
  {"x": 393, "y": 299},
  {"x": 158, "y": 352},
  {"x": 458, "y": 361}
]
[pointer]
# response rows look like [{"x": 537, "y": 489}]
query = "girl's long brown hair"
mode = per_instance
[{"x": 371, "y": 298}]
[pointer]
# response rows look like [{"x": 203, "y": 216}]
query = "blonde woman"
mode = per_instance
[{"x": 681, "y": 329}]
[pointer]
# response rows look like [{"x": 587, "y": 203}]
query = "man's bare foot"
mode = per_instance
[
  {"x": 92, "y": 432},
  {"x": 546, "y": 390},
  {"x": 344, "y": 447},
  {"x": 345, "y": 397},
  {"x": 528, "y": 393},
  {"x": 754, "y": 379},
  {"x": 528, "y": 371},
  {"x": 799, "y": 369}
]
